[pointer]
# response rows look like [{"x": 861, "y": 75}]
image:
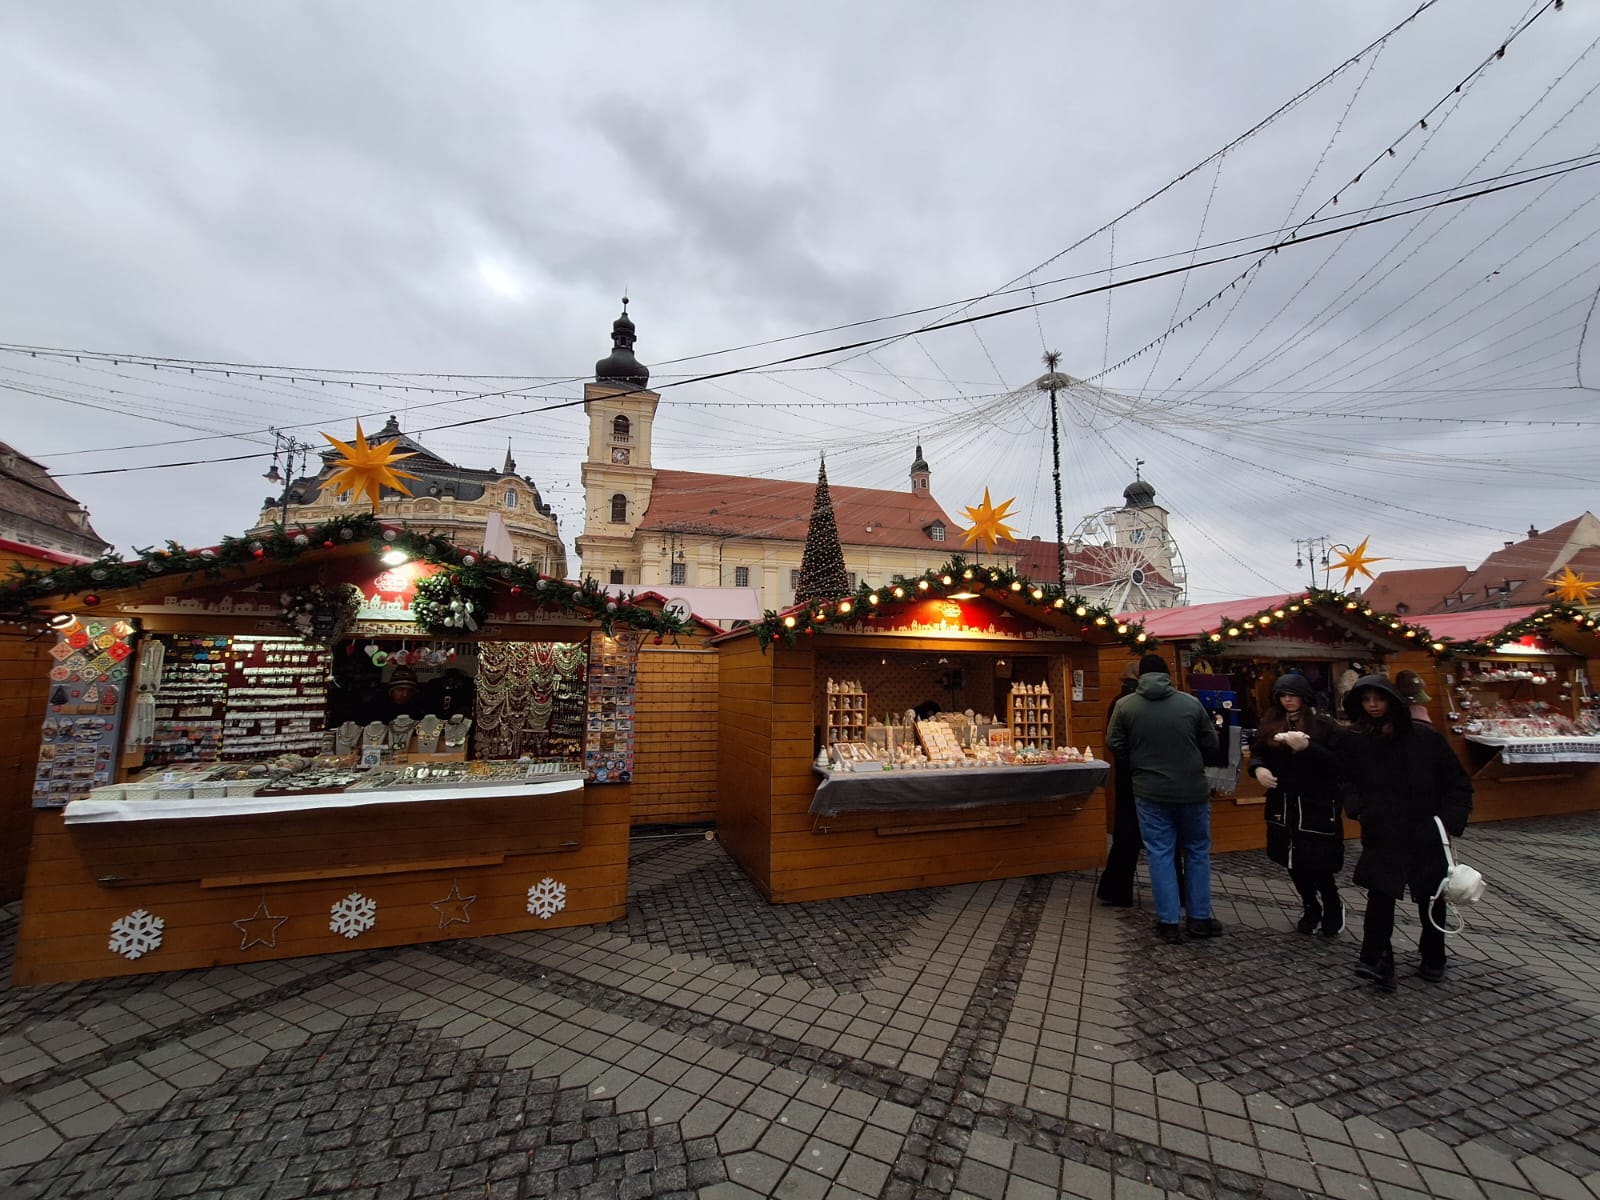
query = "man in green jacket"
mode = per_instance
[{"x": 1164, "y": 734}]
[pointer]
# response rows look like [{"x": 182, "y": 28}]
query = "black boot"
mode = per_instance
[
  {"x": 1311, "y": 918},
  {"x": 1380, "y": 972},
  {"x": 1332, "y": 919}
]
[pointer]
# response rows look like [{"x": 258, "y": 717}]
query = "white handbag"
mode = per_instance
[{"x": 1461, "y": 884}]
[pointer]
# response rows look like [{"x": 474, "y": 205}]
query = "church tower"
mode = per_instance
[
  {"x": 920, "y": 475},
  {"x": 617, "y": 474}
]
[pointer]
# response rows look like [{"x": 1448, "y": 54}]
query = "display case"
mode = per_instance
[
  {"x": 1030, "y": 712},
  {"x": 846, "y": 713}
]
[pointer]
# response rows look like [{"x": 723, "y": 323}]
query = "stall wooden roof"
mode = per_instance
[{"x": 1197, "y": 620}]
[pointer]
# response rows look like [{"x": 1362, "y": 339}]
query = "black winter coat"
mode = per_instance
[
  {"x": 1305, "y": 829},
  {"x": 1396, "y": 783}
]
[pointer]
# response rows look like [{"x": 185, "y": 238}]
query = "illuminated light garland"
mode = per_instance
[
  {"x": 239, "y": 555},
  {"x": 942, "y": 583}
]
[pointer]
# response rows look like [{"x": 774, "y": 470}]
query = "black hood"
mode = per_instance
[
  {"x": 1399, "y": 706},
  {"x": 1294, "y": 685}
]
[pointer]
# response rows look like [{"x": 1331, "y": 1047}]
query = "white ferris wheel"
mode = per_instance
[{"x": 1126, "y": 559}]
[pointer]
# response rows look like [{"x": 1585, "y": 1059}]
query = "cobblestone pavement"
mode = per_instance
[{"x": 1009, "y": 1039}]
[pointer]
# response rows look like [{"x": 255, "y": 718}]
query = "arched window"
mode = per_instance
[
  {"x": 619, "y": 509},
  {"x": 620, "y": 429},
  {"x": 511, "y": 497}
]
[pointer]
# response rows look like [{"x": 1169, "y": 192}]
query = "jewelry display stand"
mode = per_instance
[
  {"x": 428, "y": 734},
  {"x": 400, "y": 731},
  {"x": 346, "y": 738},
  {"x": 455, "y": 732}
]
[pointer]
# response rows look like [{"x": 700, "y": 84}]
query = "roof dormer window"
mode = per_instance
[{"x": 936, "y": 531}]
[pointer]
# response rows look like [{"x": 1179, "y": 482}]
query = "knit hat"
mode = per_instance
[
  {"x": 1154, "y": 663},
  {"x": 1294, "y": 685}
]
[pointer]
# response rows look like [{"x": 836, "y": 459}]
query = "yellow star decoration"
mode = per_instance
[
  {"x": 988, "y": 522},
  {"x": 1571, "y": 588},
  {"x": 368, "y": 468},
  {"x": 1352, "y": 561}
]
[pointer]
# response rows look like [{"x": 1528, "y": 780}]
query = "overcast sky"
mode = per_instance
[{"x": 417, "y": 190}]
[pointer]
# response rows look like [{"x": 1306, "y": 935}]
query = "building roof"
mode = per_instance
[
  {"x": 744, "y": 507},
  {"x": 27, "y": 492},
  {"x": 1421, "y": 591},
  {"x": 1477, "y": 625},
  {"x": 1516, "y": 573},
  {"x": 434, "y": 475},
  {"x": 1192, "y": 620}
]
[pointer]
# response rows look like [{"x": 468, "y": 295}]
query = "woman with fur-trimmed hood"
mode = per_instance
[
  {"x": 1400, "y": 775},
  {"x": 1294, "y": 759}
]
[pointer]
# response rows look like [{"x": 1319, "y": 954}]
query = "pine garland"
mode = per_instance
[
  {"x": 452, "y": 602},
  {"x": 321, "y": 613},
  {"x": 88, "y": 584}
]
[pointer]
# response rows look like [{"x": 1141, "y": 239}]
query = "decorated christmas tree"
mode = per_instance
[{"x": 822, "y": 573}]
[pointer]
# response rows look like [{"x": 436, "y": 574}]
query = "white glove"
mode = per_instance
[
  {"x": 1266, "y": 778},
  {"x": 1295, "y": 739}
]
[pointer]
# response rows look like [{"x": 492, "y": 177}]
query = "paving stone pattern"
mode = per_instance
[
  {"x": 715, "y": 911},
  {"x": 1004, "y": 1041}
]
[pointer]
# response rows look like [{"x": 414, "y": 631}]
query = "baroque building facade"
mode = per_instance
[
  {"x": 454, "y": 501},
  {"x": 645, "y": 527}
]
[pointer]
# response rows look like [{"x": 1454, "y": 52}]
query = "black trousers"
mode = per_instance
[
  {"x": 1319, "y": 889},
  {"x": 1378, "y": 928},
  {"x": 1116, "y": 881}
]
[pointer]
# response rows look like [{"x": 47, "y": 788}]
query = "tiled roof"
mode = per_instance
[
  {"x": 28, "y": 492},
  {"x": 1422, "y": 590},
  {"x": 741, "y": 506},
  {"x": 1522, "y": 567}
]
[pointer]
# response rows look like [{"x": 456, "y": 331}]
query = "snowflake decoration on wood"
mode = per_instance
[
  {"x": 546, "y": 898},
  {"x": 136, "y": 934},
  {"x": 353, "y": 915}
]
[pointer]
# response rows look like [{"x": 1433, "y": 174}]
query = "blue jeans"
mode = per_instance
[{"x": 1165, "y": 827}]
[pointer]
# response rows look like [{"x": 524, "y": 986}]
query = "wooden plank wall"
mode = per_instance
[
  {"x": 67, "y": 915},
  {"x": 24, "y": 677},
  {"x": 675, "y": 726},
  {"x": 898, "y": 851},
  {"x": 745, "y": 754}
]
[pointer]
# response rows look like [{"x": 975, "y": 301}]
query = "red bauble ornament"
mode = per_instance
[
  {"x": 91, "y": 600},
  {"x": 516, "y": 591},
  {"x": 328, "y": 545},
  {"x": 809, "y": 630},
  {"x": 258, "y": 553}
]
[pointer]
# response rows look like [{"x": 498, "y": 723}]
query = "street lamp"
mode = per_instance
[
  {"x": 1312, "y": 549},
  {"x": 1051, "y": 382},
  {"x": 294, "y": 454}
]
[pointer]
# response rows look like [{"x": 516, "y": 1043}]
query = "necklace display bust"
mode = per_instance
[
  {"x": 456, "y": 730},
  {"x": 428, "y": 734}
]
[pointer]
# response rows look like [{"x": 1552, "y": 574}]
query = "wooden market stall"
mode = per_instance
[
  {"x": 903, "y": 802},
  {"x": 324, "y": 739},
  {"x": 1229, "y": 653},
  {"x": 1511, "y": 688}
]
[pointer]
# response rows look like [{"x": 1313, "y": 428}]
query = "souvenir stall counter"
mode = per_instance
[
  {"x": 1228, "y": 654},
  {"x": 327, "y": 739},
  {"x": 940, "y": 730},
  {"x": 1511, "y": 689}
]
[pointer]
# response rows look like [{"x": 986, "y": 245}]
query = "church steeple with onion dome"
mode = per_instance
[{"x": 620, "y": 366}]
